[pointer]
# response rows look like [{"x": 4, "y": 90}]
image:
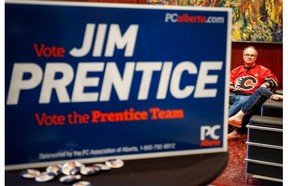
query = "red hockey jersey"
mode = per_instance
[{"x": 247, "y": 80}]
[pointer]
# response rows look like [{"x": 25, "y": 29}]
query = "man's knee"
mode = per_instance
[{"x": 243, "y": 99}]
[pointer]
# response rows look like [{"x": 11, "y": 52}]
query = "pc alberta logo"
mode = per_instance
[{"x": 209, "y": 137}]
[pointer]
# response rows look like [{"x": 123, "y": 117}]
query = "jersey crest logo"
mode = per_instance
[{"x": 246, "y": 83}]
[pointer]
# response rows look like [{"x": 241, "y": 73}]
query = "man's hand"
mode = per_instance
[
  {"x": 231, "y": 87},
  {"x": 266, "y": 85}
]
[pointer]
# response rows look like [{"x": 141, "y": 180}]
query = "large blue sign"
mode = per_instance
[{"x": 91, "y": 81}]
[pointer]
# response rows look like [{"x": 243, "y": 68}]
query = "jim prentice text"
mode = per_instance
[{"x": 44, "y": 78}]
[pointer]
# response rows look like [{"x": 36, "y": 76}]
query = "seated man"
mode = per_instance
[{"x": 246, "y": 79}]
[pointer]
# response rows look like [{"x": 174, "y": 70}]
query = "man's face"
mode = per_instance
[{"x": 249, "y": 57}]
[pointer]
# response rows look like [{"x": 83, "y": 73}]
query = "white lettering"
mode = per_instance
[
  {"x": 115, "y": 38},
  {"x": 204, "y": 78},
  {"x": 147, "y": 69},
  {"x": 171, "y": 17},
  {"x": 99, "y": 41},
  {"x": 18, "y": 82},
  {"x": 86, "y": 44},
  {"x": 97, "y": 81},
  {"x": 112, "y": 77},
  {"x": 164, "y": 80},
  {"x": 50, "y": 82},
  {"x": 128, "y": 39},
  {"x": 82, "y": 81},
  {"x": 176, "y": 79}
]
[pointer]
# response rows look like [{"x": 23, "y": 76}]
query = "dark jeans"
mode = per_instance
[
  {"x": 253, "y": 106},
  {"x": 256, "y": 100}
]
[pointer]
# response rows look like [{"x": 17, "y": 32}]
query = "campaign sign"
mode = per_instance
[{"x": 92, "y": 81}]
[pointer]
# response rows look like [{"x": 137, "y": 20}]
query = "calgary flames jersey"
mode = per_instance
[{"x": 247, "y": 80}]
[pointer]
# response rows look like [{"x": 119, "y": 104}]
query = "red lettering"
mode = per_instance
[
  {"x": 76, "y": 118},
  {"x": 210, "y": 143},
  {"x": 126, "y": 115},
  {"x": 44, "y": 51},
  {"x": 49, "y": 120},
  {"x": 157, "y": 113}
]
